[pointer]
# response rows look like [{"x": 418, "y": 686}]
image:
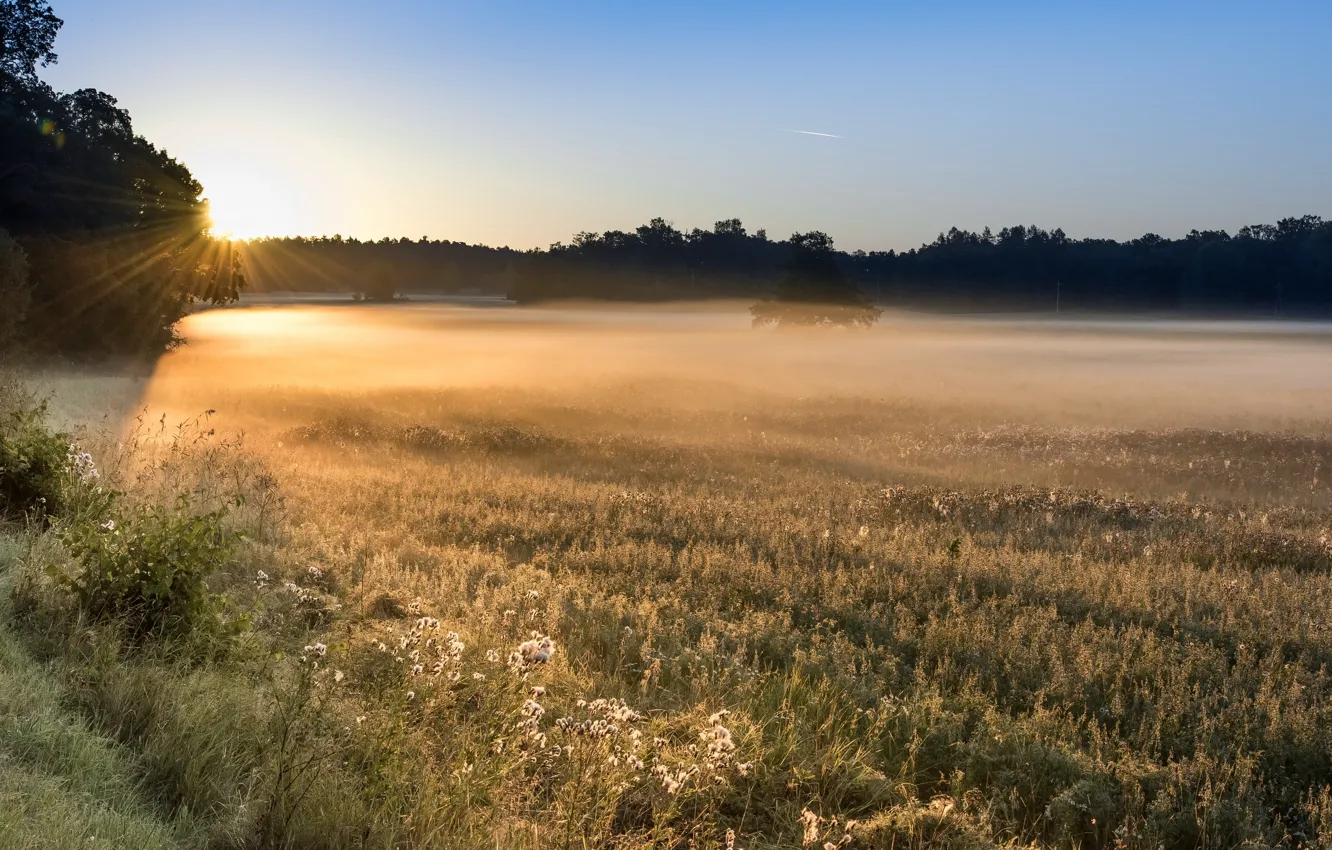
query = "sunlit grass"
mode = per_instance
[{"x": 645, "y": 612}]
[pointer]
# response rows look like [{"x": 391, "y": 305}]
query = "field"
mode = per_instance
[{"x": 648, "y": 578}]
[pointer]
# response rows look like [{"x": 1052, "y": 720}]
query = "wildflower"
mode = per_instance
[
  {"x": 533, "y": 594},
  {"x": 810, "y": 824},
  {"x": 479, "y": 677},
  {"x": 417, "y": 670},
  {"x": 315, "y": 573},
  {"x": 530, "y": 724},
  {"x": 614, "y": 710},
  {"x": 338, "y": 676},
  {"x": 260, "y": 578},
  {"x": 537, "y": 651},
  {"x": 411, "y": 695},
  {"x": 82, "y": 465},
  {"x": 532, "y": 708},
  {"x": 671, "y": 781},
  {"x": 492, "y": 656},
  {"x": 110, "y": 525},
  {"x": 317, "y": 648},
  {"x": 537, "y": 692}
]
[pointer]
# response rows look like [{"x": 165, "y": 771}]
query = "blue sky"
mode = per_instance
[{"x": 522, "y": 123}]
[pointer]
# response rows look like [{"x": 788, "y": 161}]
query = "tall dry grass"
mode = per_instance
[{"x": 666, "y": 609}]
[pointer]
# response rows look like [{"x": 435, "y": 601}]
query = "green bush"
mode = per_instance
[
  {"x": 148, "y": 567},
  {"x": 35, "y": 464}
]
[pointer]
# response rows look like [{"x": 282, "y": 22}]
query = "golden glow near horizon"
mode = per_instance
[{"x": 245, "y": 204}]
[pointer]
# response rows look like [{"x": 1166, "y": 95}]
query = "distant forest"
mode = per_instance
[{"x": 1282, "y": 268}]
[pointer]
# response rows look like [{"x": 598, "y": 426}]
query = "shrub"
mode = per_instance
[
  {"x": 34, "y": 464},
  {"x": 149, "y": 567}
]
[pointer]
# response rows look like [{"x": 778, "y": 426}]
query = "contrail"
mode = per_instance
[{"x": 811, "y": 133}]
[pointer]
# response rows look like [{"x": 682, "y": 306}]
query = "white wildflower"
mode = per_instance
[
  {"x": 538, "y": 650},
  {"x": 82, "y": 465}
]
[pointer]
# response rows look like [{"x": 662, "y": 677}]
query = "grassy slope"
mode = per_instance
[{"x": 61, "y": 783}]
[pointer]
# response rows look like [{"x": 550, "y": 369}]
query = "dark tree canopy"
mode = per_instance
[
  {"x": 114, "y": 231},
  {"x": 28, "y": 30}
]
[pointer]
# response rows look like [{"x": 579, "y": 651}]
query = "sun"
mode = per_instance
[{"x": 246, "y": 204}]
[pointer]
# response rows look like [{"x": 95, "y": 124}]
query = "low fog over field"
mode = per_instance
[{"x": 1109, "y": 373}]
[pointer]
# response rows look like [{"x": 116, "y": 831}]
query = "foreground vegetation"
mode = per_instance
[{"x": 456, "y": 618}]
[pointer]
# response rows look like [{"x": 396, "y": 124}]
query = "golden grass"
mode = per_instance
[{"x": 963, "y": 583}]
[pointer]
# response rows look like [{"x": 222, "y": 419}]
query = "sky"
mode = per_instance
[{"x": 520, "y": 124}]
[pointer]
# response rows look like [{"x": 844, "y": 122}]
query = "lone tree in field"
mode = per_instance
[
  {"x": 381, "y": 282},
  {"x": 814, "y": 291}
]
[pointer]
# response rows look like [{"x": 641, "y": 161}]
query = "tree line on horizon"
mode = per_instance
[
  {"x": 1267, "y": 268},
  {"x": 104, "y": 239}
]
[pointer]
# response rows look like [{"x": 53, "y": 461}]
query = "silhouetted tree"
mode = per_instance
[
  {"x": 381, "y": 282},
  {"x": 114, "y": 230},
  {"x": 28, "y": 30},
  {"x": 814, "y": 290}
]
